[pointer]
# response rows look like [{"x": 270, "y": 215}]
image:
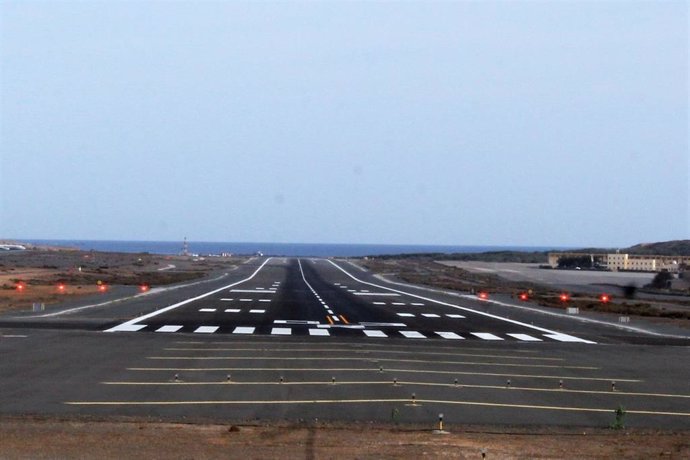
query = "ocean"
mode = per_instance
[{"x": 276, "y": 249}]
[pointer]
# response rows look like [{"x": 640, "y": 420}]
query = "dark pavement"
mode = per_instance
[{"x": 314, "y": 338}]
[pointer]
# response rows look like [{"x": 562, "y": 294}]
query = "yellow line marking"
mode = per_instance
[
  {"x": 254, "y": 369},
  {"x": 365, "y": 401},
  {"x": 329, "y": 319},
  {"x": 599, "y": 379},
  {"x": 344, "y": 320},
  {"x": 351, "y": 350},
  {"x": 354, "y": 369},
  {"x": 369, "y": 345},
  {"x": 271, "y": 358},
  {"x": 412, "y": 383}
]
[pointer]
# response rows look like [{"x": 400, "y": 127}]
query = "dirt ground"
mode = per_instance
[
  {"x": 427, "y": 271},
  {"x": 41, "y": 271},
  {"x": 50, "y": 438}
]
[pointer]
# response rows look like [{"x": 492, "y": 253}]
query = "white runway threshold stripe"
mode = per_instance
[
  {"x": 374, "y": 333},
  {"x": 321, "y": 332},
  {"x": 525, "y": 337},
  {"x": 281, "y": 331},
  {"x": 132, "y": 326},
  {"x": 566, "y": 338},
  {"x": 486, "y": 336},
  {"x": 168, "y": 328},
  {"x": 546, "y": 332},
  {"x": 206, "y": 329},
  {"x": 450, "y": 335},
  {"x": 413, "y": 334}
]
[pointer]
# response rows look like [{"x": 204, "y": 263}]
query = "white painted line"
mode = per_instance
[
  {"x": 244, "y": 330},
  {"x": 126, "y": 327},
  {"x": 232, "y": 310},
  {"x": 257, "y": 311},
  {"x": 335, "y": 318},
  {"x": 227, "y": 300},
  {"x": 406, "y": 315},
  {"x": 295, "y": 321},
  {"x": 485, "y": 336},
  {"x": 450, "y": 335},
  {"x": 264, "y": 300},
  {"x": 206, "y": 329},
  {"x": 417, "y": 304},
  {"x": 430, "y": 315},
  {"x": 336, "y": 284},
  {"x": 322, "y": 332},
  {"x": 132, "y": 322},
  {"x": 365, "y": 290},
  {"x": 412, "y": 334},
  {"x": 383, "y": 324},
  {"x": 525, "y": 337},
  {"x": 428, "y": 299},
  {"x": 330, "y": 312},
  {"x": 245, "y": 300},
  {"x": 566, "y": 338},
  {"x": 379, "y": 303},
  {"x": 352, "y": 290},
  {"x": 251, "y": 290},
  {"x": 387, "y": 294},
  {"x": 398, "y": 303},
  {"x": 259, "y": 289},
  {"x": 168, "y": 328},
  {"x": 281, "y": 331},
  {"x": 374, "y": 333},
  {"x": 453, "y": 315},
  {"x": 207, "y": 309},
  {"x": 14, "y": 336}
]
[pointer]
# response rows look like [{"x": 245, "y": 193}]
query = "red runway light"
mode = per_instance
[
  {"x": 61, "y": 287},
  {"x": 144, "y": 287},
  {"x": 102, "y": 287},
  {"x": 21, "y": 287},
  {"x": 565, "y": 297},
  {"x": 483, "y": 295},
  {"x": 524, "y": 296},
  {"x": 604, "y": 298}
]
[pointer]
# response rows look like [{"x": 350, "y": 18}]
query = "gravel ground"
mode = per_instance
[{"x": 50, "y": 438}]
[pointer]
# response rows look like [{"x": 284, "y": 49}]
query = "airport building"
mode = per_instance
[{"x": 627, "y": 262}]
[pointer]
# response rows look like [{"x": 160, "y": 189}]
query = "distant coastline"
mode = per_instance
[{"x": 277, "y": 249}]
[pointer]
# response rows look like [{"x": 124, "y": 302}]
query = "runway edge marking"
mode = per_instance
[
  {"x": 126, "y": 326},
  {"x": 488, "y": 315}
]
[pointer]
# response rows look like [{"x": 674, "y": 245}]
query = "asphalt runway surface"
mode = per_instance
[{"x": 299, "y": 339}]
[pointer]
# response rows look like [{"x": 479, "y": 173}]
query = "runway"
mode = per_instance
[
  {"x": 321, "y": 297},
  {"x": 306, "y": 339}
]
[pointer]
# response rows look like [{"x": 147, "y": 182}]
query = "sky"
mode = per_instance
[{"x": 559, "y": 123}]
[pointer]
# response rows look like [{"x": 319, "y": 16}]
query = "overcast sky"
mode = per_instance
[{"x": 468, "y": 123}]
